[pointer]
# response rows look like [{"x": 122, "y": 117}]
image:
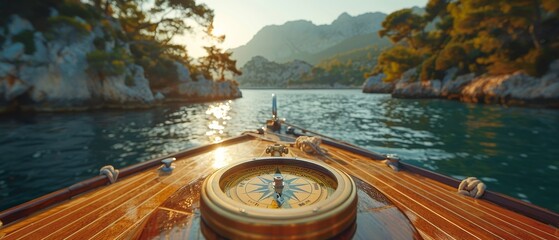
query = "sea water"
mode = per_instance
[{"x": 514, "y": 150}]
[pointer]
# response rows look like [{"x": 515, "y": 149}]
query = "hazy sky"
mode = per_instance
[{"x": 239, "y": 20}]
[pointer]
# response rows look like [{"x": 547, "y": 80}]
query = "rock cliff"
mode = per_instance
[
  {"x": 510, "y": 89},
  {"x": 261, "y": 73},
  {"x": 52, "y": 73},
  {"x": 375, "y": 84}
]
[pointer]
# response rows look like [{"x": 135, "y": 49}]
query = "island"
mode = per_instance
[
  {"x": 68, "y": 55},
  {"x": 503, "y": 52}
]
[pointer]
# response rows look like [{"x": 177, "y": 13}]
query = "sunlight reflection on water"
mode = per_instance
[{"x": 217, "y": 120}]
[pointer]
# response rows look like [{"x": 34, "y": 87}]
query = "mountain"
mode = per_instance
[{"x": 306, "y": 41}]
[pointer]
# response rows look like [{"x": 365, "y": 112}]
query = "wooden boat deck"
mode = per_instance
[{"x": 122, "y": 210}]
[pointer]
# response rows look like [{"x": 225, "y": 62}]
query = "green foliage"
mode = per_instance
[
  {"x": 395, "y": 61},
  {"x": 480, "y": 36},
  {"x": 347, "y": 68},
  {"x": 82, "y": 27},
  {"x": 150, "y": 30},
  {"x": 84, "y": 11},
  {"x": 147, "y": 28},
  {"x": 99, "y": 43},
  {"x": 452, "y": 55},
  {"x": 155, "y": 22},
  {"x": 26, "y": 37},
  {"x": 536, "y": 62},
  {"x": 108, "y": 63},
  {"x": 219, "y": 61},
  {"x": 161, "y": 72},
  {"x": 402, "y": 24},
  {"x": 435, "y": 8},
  {"x": 428, "y": 69},
  {"x": 36, "y": 11}
]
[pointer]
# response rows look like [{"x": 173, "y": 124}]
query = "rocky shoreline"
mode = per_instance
[
  {"x": 56, "y": 75},
  {"x": 517, "y": 89}
]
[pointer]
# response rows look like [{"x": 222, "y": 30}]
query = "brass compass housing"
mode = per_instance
[{"x": 278, "y": 198}]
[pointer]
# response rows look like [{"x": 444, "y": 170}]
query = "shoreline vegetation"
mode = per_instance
[
  {"x": 65, "y": 55},
  {"x": 476, "y": 51}
]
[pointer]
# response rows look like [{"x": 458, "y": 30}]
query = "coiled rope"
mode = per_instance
[
  {"x": 110, "y": 172},
  {"x": 310, "y": 145},
  {"x": 472, "y": 187}
]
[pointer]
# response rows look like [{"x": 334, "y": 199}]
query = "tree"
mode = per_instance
[
  {"x": 225, "y": 63},
  {"x": 436, "y": 8},
  {"x": 150, "y": 31},
  {"x": 505, "y": 32},
  {"x": 402, "y": 25},
  {"x": 395, "y": 61},
  {"x": 219, "y": 61},
  {"x": 480, "y": 36}
]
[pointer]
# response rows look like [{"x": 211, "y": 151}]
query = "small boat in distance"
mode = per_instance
[{"x": 278, "y": 182}]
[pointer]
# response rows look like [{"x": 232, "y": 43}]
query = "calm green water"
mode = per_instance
[{"x": 514, "y": 150}]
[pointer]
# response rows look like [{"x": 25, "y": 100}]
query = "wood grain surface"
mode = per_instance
[{"x": 152, "y": 203}]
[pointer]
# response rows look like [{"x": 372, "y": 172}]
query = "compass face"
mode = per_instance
[
  {"x": 254, "y": 186},
  {"x": 278, "y": 198}
]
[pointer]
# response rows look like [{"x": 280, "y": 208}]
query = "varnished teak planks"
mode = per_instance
[{"x": 122, "y": 210}]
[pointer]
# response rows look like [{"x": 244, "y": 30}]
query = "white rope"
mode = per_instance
[
  {"x": 310, "y": 145},
  {"x": 393, "y": 161},
  {"x": 472, "y": 187},
  {"x": 110, "y": 172}
]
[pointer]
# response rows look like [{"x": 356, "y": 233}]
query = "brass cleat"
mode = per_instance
[{"x": 277, "y": 150}]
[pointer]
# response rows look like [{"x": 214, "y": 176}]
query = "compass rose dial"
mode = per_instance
[
  {"x": 278, "y": 198},
  {"x": 301, "y": 186}
]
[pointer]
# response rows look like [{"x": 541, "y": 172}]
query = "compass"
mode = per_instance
[{"x": 278, "y": 198}]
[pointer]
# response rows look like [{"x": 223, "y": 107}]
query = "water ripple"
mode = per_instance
[{"x": 512, "y": 149}]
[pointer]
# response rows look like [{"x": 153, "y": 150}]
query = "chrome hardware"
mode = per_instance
[
  {"x": 274, "y": 124},
  {"x": 290, "y": 130},
  {"x": 168, "y": 164}
]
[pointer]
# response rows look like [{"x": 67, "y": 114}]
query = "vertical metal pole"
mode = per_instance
[{"x": 274, "y": 107}]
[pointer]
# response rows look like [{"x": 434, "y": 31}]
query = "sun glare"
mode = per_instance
[
  {"x": 217, "y": 116},
  {"x": 220, "y": 158},
  {"x": 218, "y": 31}
]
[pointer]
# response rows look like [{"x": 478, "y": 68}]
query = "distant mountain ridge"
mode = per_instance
[{"x": 306, "y": 41}]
